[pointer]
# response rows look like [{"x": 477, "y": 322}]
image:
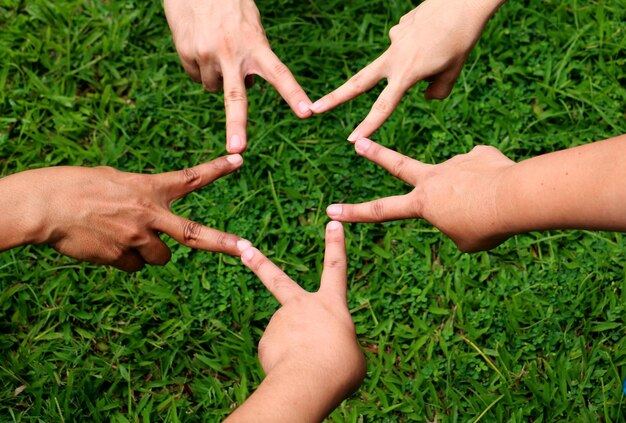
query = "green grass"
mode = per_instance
[{"x": 532, "y": 331}]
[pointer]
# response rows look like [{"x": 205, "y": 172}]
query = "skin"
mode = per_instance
[
  {"x": 222, "y": 44},
  {"x": 481, "y": 198},
  {"x": 430, "y": 43},
  {"x": 309, "y": 350},
  {"x": 106, "y": 216}
]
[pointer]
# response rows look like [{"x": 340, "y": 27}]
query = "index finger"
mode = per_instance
[
  {"x": 334, "y": 276},
  {"x": 278, "y": 74},
  {"x": 383, "y": 107},
  {"x": 236, "y": 105},
  {"x": 195, "y": 235},
  {"x": 402, "y": 167},
  {"x": 396, "y": 207},
  {"x": 179, "y": 183},
  {"x": 275, "y": 280},
  {"x": 361, "y": 82}
]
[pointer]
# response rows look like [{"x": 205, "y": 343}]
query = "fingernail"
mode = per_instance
[
  {"x": 355, "y": 135},
  {"x": 333, "y": 226},
  {"x": 303, "y": 107},
  {"x": 243, "y": 245},
  {"x": 247, "y": 255},
  {"x": 317, "y": 106},
  {"x": 362, "y": 145},
  {"x": 235, "y": 142},
  {"x": 235, "y": 159},
  {"x": 334, "y": 210}
]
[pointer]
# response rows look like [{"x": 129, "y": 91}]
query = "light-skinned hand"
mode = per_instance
[
  {"x": 222, "y": 44},
  {"x": 430, "y": 43},
  {"x": 106, "y": 216},
  {"x": 309, "y": 350},
  {"x": 458, "y": 196}
]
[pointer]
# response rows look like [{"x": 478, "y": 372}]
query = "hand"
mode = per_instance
[
  {"x": 430, "y": 43},
  {"x": 309, "y": 350},
  {"x": 106, "y": 216},
  {"x": 459, "y": 196},
  {"x": 223, "y": 44}
]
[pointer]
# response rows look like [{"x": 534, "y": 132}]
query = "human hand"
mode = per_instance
[
  {"x": 459, "y": 196},
  {"x": 309, "y": 350},
  {"x": 106, "y": 216},
  {"x": 223, "y": 44},
  {"x": 431, "y": 43}
]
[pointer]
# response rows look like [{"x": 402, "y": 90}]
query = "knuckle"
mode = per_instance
[
  {"x": 190, "y": 176},
  {"x": 382, "y": 105},
  {"x": 280, "y": 70},
  {"x": 191, "y": 231},
  {"x": 235, "y": 96},
  {"x": 483, "y": 149},
  {"x": 357, "y": 82},
  {"x": 393, "y": 32},
  {"x": 377, "y": 209},
  {"x": 143, "y": 207},
  {"x": 262, "y": 350},
  {"x": 293, "y": 92},
  {"x": 279, "y": 281},
  {"x": 335, "y": 263},
  {"x": 107, "y": 169},
  {"x": 221, "y": 240},
  {"x": 202, "y": 54},
  {"x": 398, "y": 167},
  {"x": 217, "y": 167},
  {"x": 235, "y": 122},
  {"x": 186, "y": 54}
]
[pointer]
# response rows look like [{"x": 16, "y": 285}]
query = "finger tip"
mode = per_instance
[
  {"x": 362, "y": 145},
  {"x": 355, "y": 135},
  {"x": 304, "y": 109},
  {"x": 243, "y": 245},
  {"x": 235, "y": 159},
  {"x": 334, "y": 211},
  {"x": 247, "y": 255},
  {"x": 333, "y": 225},
  {"x": 236, "y": 144}
]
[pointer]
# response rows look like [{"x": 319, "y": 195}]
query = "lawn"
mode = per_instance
[{"x": 531, "y": 331}]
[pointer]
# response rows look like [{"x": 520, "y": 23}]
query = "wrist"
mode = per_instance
[
  {"x": 511, "y": 207},
  {"x": 303, "y": 392},
  {"x": 22, "y": 221}
]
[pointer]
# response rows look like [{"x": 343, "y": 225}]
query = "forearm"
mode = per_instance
[
  {"x": 17, "y": 225},
  {"x": 578, "y": 188},
  {"x": 290, "y": 394}
]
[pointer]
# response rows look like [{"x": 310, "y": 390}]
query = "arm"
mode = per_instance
[
  {"x": 223, "y": 44},
  {"x": 18, "y": 226},
  {"x": 106, "y": 216},
  {"x": 430, "y": 43},
  {"x": 309, "y": 350},
  {"x": 579, "y": 188},
  {"x": 482, "y": 198}
]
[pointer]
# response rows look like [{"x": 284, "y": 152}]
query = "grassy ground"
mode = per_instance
[{"x": 532, "y": 331}]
